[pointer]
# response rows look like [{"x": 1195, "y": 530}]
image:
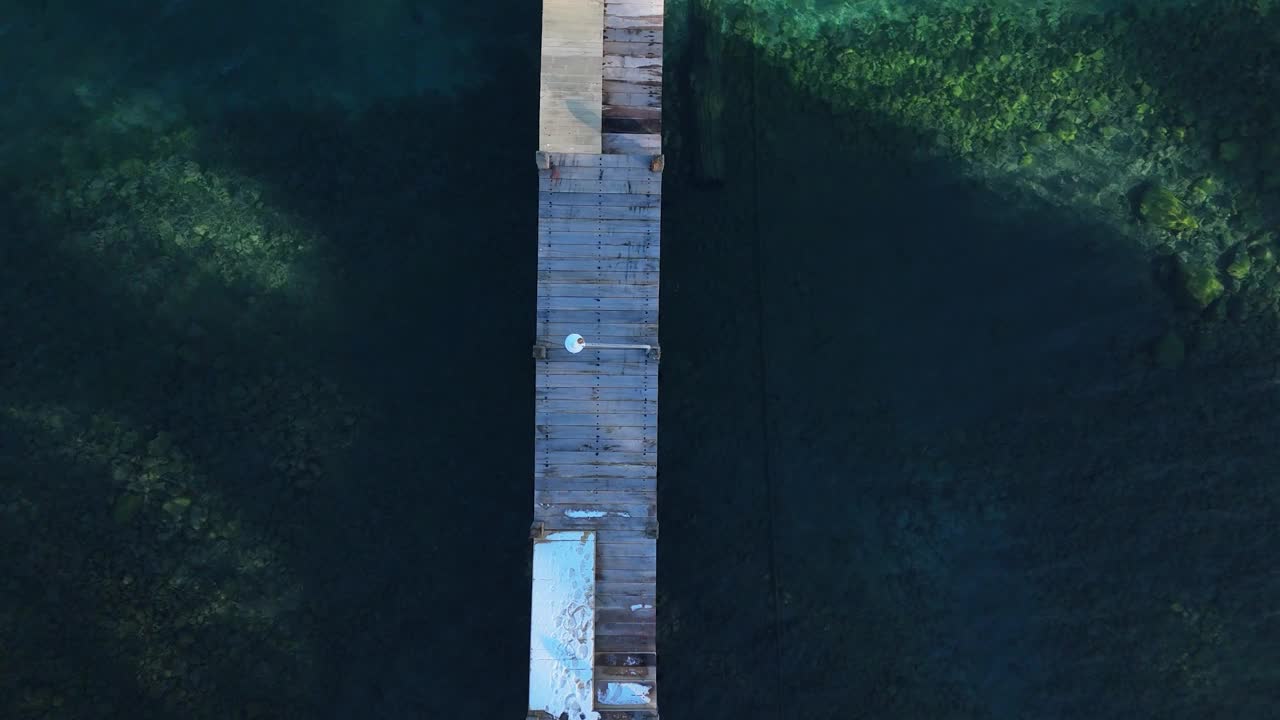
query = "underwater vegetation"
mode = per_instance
[
  {"x": 1164, "y": 210},
  {"x": 1158, "y": 119}
]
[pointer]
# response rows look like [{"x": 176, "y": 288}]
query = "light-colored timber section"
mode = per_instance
[{"x": 593, "y": 651}]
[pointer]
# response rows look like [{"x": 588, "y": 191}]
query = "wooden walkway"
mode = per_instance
[{"x": 593, "y": 653}]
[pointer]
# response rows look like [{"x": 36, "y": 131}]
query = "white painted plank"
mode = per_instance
[{"x": 562, "y": 623}]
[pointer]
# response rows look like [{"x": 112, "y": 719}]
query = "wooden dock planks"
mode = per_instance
[
  {"x": 595, "y": 412},
  {"x": 631, "y": 116},
  {"x": 599, "y": 250}
]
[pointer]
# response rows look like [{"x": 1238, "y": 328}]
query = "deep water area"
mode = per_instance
[{"x": 969, "y": 386}]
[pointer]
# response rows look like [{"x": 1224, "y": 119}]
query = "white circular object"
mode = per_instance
[{"x": 574, "y": 343}]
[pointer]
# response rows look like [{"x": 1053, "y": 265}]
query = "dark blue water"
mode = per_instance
[{"x": 947, "y": 432}]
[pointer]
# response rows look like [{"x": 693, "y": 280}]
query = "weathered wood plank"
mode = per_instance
[
  {"x": 622, "y": 588},
  {"x": 594, "y": 333},
  {"x": 620, "y": 484},
  {"x": 640, "y": 170},
  {"x": 599, "y": 252},
  {"x": 635, "y": 225},
  {"x": 632, "y": 22},
  {"x": 596, "y": 394},
  {"x": 626, "y": 574},
  {"x": 593, "y": 160},
  {"x": 613, "y": 420},
  {"x": 630, "y": 48},
  {"x": 634, "y": 7},
  {"x": 615, "y": 556},
  {"x": 646, "y": 714},
  {"x": 626, "y": 143},
  {"x": 606, "y": 444},
  {"x": 624, "y": 643},
  {"x": 598, "y": 212},
  {"x": 596, "y": 407},
  {"x": 607, "y": 572},
  {"x": 633, "y": 265},
  {"x": 558, "y": 198},
  {"x": 592, "y": 277},
  {"x": 631, "y": 99},
  {"x": 649, "y": 88},
  {"x": 622, "y": 125},
  {"x": 600, "y": 337},
  {"x": 642, "y": 35},
  {"x": 636, "y": 112},
  {"x": 627, "y": 187},
  {"x": 600, "y": 237},
  {"x": 594, "y": 431},
  {"x": 600, "y": 173},
  {"x": 628, "y": 61},
  {"x": 626, "y": 614},
  {"x": 555, "y": 380},
  {"x": 596, "y": 471},
  {"x": 585, "y": 316},
  {"x": 630, "y": 493},
  {"x": 556, "y": 302},
  {"x": 618, "y": 372},
  {"x": 556, "y": 518},
  {"x": 597, "y": 290},
  {"x": 642, "y": 74},
  {"x": 624, "y": 674},
  {"x": 628, "y": 226},
  {"x": 625, "y": 628},
  {"x": 625, "y": 659},
  {"x": 642, "y": 548}
]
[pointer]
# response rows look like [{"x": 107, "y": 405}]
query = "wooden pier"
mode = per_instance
[{"x": 593, "y": 652}]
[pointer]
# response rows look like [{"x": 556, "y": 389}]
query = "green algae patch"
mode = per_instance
[
  {"x": 1201, "y": 284},
  {"x": 1203, "y": 189},
  {"x": 1164, "y": 210},
  {"x": 1240, "y": 265}
]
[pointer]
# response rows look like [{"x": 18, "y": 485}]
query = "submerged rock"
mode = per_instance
[
  {"x": 1164, "y": 210},
  {"x": 1240, "y": 265},
  {"x": 1200, "y": 283}
]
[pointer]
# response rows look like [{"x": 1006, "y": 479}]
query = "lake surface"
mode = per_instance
[{"x": 970, "y": 374}]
